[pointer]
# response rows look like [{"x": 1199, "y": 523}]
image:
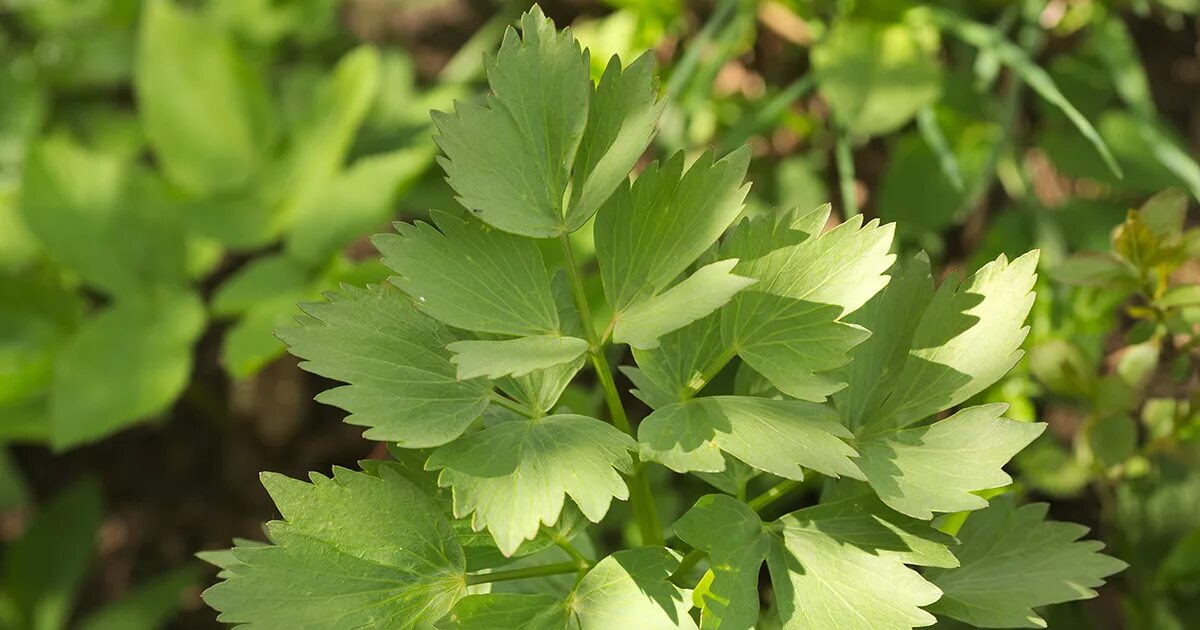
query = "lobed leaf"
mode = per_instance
[
  {"x": 776, "y": 436},
  {"x": 513, "y": 357},
  {"x": 509, "y": 161},
  {"x": 514, "y": 476},
  {"x": 402, "y": 385},
  {"x": 1013, "y": 560},
  {"x": 395, "y": 564},
  {"x": 831, "y": 565},
  {"x": 628, "y": 589},
  {"x": 939, "y": 467},
  {"x": 469, "y": 275}
]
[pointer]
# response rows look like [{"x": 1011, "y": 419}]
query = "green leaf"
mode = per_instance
[
  {"x": 706, "y": 290},
  {"x": 621, "y": 119},
  {"x": 268, "y": 278},
  {"x": 1182, "y": 295},
  {"x": 13, "y": 493},
  {"x": 148, "y": 607},
  {"x": 123, "y": 365},
  {"x": 1165, "y": 214},
  {"x": 938, "y": 467},
  {"x": 877, "y": 76},
  {"x": 737, "y": 544},
  {"x": 509, "y": 161},
  {"x": 965, "y": 339},
  {"x": 829, "y": 564},
  {"x": 541, "y": 389},
  {"x": 37, "y": 317},
  {"x": 514, "y": 357},
  {"x": 109, "y": 222},
  {"x": 931, "y": 132},
  {"x": 673, "y": 370},
  {"x": 1013, "y": 560},
  {"x": 989, "y": 39},
  {"x": 787, "y": 326},
  {"x": 356, "y": 550},
  {"x": 353, "y": 203},
  {"x": 628, "y": 589},
  {"x": 325, "y": 131},
  {"x": 1115, "y": 46},
  {"x": 777, "y": 436},
  {"x": 44, "y": 568},
  {"x": 892, "y": 317},
  {"x": 845, "y": 562},
  {"x": 472, "y": 276},
  {"x": 205, "y": 111},
  {"x": 1099, "y": 269},
  {"x": 514, "y": 476},
  {"x": 649, "y": 232},
  {"x": 401, "y": 382}
]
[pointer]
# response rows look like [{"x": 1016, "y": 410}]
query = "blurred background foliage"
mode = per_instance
[{"x": 175, "y": 175}]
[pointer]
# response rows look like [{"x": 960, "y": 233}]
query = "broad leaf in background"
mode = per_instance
[
  {"x": 123, "y": 365},
  {"x": 877, "y": 76},
  {"x": 993, "y": 41},
  {"x": 44, "y": 568},
  {"x": 510, "y": 161},
  {"x": 108, "y": 221},
  {"x": 628, "y": 589},
  {"x": 352, "y": 203},
  {"x": 1014, "y": 560},
  {"x": 205, "y": 110},
  {"x": 515, "y": 476},
  {"x": 323, "y": 134},
  {"x": 776, "y": 436},
  {"x": 401, "y": 382},
  {"x": 939, "y": 467},
  {"x": 470, "y": 275},
  {"x": 37, "y": 318},
  {"x": 148, "y": 607},
  {"x": 398, "y": 561}
]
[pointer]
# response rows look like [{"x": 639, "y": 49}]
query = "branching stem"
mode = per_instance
[
  {"x": 640, "y": 496},
  {"x": 512, "y": 405},
  {"x": 557, "y": 568}
]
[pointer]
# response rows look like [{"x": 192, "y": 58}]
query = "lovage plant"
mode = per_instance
[{"x": 844, "y": 365}]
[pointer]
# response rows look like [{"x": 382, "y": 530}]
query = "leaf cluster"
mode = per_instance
[{"x": 845, "y": 363}]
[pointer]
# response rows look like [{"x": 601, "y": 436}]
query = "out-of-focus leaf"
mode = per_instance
[
  {"x": 877, "y": 76},
  {"x": 113, "y": 224},
  {"x": 988, "y": 38},
  {"x": 148, "y": 607},
  {"x": 125, "y": 364},
  {"x": 44, "y": 568},
  {"x": 206, "y": 111}
]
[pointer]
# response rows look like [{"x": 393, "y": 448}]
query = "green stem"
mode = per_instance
[
  {"x": 766, "y": 116},
  {"x": 562, "y": 543},
  {"x": 687, "y": 63},
  {"x": 557, "y": 568},
  {"x": 762, "y": 501},
  {"x": 512, "y": 405},
  {"x": 639, "y": 488},
  {"x": 686, "y": 564},
  {"x": 845, "y": 169}
]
